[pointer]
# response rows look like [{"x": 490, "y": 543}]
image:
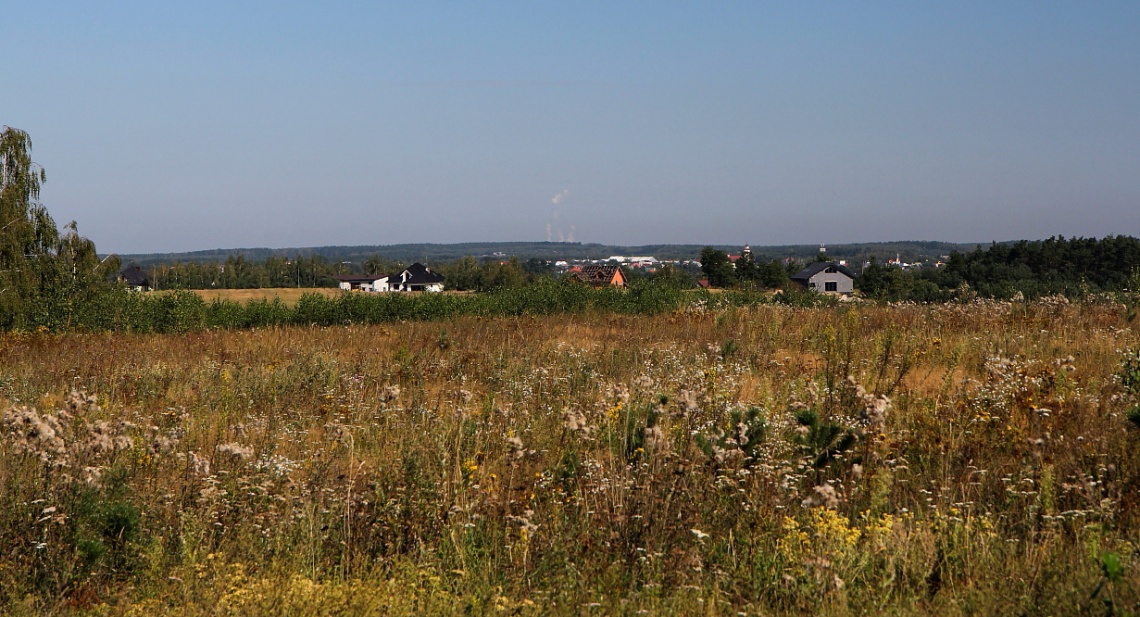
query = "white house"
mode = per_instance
[
  {"x": 368, "y": 282},
  {"x": 827, "y": 277},
  {"x": 417, "y": 277}
]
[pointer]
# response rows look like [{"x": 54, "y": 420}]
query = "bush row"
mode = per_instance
[{"x": 180, "y": 311}]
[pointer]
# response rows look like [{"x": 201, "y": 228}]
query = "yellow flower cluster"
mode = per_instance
[
  {"x": 827, "y": 534},
  {"x": 793, "y": 541},
  {"x": 469, "y": 469},
  {"x": 878, "y": 530},
  {"x": 831, "y": 531},
  {"x": 612, "y": 412}
]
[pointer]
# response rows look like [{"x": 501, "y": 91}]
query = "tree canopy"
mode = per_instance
[{"x": 42, "y": 274}]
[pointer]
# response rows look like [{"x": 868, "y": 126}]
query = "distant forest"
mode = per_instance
[{"x": 435, "y": 253}]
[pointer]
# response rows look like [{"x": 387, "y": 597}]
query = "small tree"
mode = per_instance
[
  {"x": 772, "y": 274},
  {"x": 717, "y": 268},
  {"x": 882, "y": 282},
  {"x": 747, "y": 270}
]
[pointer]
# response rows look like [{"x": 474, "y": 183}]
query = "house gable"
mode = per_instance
[
  {"x": 826, "y": 276},
  {"x": 416, "y": 277},
  {"x": 602, "y": 275}
]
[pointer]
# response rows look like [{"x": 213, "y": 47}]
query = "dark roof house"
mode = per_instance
[
  {"x": 135, "y": 278},
  {"x": 417, "y": 277},
  {"x": 826, "y": 276}
]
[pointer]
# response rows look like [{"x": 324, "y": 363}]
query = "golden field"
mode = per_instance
[
  {"x": 288, "y": 295},
  {"x": 954, "y": 459}
]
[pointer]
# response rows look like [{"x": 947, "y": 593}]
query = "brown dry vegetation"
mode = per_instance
[
  {"x": 598, "y": 463},
  {"x": 288, "y": 295}
]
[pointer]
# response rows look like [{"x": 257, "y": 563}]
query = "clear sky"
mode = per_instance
[{"x": 169, "y": 126}]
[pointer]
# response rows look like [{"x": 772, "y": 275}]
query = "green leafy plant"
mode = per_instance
[
  {"x": 1133, "y": 416},
  {"x": 741, "y": 437},
  {"x": 819, "y": 440},
  {"x": 1129, "y": 372}
]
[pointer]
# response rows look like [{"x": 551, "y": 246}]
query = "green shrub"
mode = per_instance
[{"x": 1129, "y": 372}]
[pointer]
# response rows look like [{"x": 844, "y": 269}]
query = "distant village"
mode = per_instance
[
  {"x": 1029, "y": 269},
  {"x": 821, "y": 274}
]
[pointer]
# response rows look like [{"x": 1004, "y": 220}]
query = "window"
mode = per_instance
[{"x": 831, "y": 286}]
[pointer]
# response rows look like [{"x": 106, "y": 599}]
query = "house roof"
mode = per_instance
[
  {"x": 358, "y": 278},
  {"x": 135, "y": 277},
  {"x": 599, "y": 274},
  {"x": 419, "y": 274},
  {"x": 819, "y": 266}
]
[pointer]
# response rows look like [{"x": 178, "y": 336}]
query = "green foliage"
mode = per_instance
[
  {"x": 882, "y": 282},
  {"x": 1112, "y": 568},
  {"x": 728, "y": 348},
  {"x": 795, "y": 295},
  {"x": 1073, "y": 267},
  {"x": 26, "y": 232},
  {"x": 772, "y": 274},
  {"x": 45, "y": 278},
  {"x": 742, "y": 438},
  {"x": 717, "y": 268},
  {"x": 1129, "y": 372},
  {"x": 182, "y": 311},
  {"x": 106, "y": 529},
  {"x": 1133, "y": 416},
  {"x": 819, "y": 440}
]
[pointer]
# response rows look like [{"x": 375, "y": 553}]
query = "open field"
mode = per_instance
[
  {"x": 288, "y": 295},
  {"x": 954, "y": 459}
]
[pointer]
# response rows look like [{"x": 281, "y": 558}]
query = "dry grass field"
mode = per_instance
[
  {"x": 288, "y": 295},
  {"x": 953, "y": 460}
]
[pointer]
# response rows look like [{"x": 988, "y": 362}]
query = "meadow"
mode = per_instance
[
  {"x": 956, "y": 459},
  {"x": 287, "y": 295}
]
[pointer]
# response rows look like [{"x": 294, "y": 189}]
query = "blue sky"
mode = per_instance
[{"x": 239, "y": 124}]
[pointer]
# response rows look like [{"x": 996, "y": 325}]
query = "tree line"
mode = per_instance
[
  {"x": 747, "y": 271},
  {"x": 1073, "y": 267}
]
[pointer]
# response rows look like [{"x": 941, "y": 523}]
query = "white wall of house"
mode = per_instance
[
  {"x": 377, "y": 285},
  {"x": 842, "y": 283}
]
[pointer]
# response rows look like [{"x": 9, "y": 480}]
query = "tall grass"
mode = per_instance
[{"x": 744, "y": 458}]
